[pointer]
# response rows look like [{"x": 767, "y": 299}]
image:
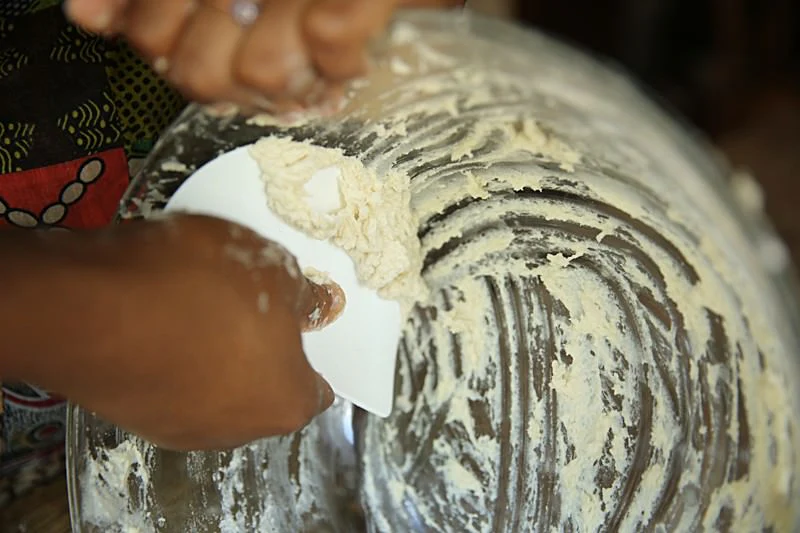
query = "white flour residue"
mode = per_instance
[
  {"x": 115, "y": 489},
  {"x": 173, "y": 166},
  {"x": 317, "y": 276},
  {"x": 593, "y": 290}
]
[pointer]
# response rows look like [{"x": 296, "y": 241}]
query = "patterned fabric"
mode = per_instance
[
  {"x": 137, "y": 92},
  {"x": 75, "y": 194},
  {"x": 69, "y": 94},
  {"x": 76, "y": 113},
  {"x": 16, "y": 8}
]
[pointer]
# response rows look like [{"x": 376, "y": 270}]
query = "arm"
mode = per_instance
[
  {"x": 161, "y": 328},
  {"x": 55, "y": 296}
]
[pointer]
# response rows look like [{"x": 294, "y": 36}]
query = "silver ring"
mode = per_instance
[{"x": 245, "y": 12}]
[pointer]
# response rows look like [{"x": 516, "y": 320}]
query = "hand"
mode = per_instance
[
  {"x": 295, "y": 53},
  {"x": 192, "y": 336}
]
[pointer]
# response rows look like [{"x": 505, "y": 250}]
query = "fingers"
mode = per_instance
[
  {"x": 272, "y": 58},
  {"x": 295, "y": 54},
  {"x": 310, "y": 396},
  {"x": 306, "y": 393},
  {"x": 154, "y": 26},
  {"x": 267, "y": 280},
  {"x": 97, "y": 16},
  {"x": 320, "y": 304},
  {"x": 338, "y": 31},
  {"x": 275, "y": 291},
  {"x": 315, "y": 300},
  {"x": 201, "y": 68}
]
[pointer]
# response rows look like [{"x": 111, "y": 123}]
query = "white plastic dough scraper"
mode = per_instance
[{"x": 356, "y": 354}]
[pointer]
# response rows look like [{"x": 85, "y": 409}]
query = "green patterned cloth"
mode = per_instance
[{"x": 68, "y": 93}]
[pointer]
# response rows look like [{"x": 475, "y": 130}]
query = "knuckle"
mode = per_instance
[
  {"x": 199, "y": 83},
  {"x": 262, "y": 72},
  {"x": 148, "y": 43}
]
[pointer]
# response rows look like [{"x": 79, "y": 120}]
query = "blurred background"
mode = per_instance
[{"x": 732, "y": 67}]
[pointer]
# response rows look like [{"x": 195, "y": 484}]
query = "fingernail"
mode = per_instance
[
  {"x": 174, "y": 76},
  {"x": 102, "y": 20},
  {"x": 301, "y": 81},
  {"x": 316, "y": 93},
  {"x": 223, "y": 109},
  {"x": 328, "y": 108},
  {"x": 338, "y": 301},
  {"x": 100, "y": 17},
  {"x": 331, "y": 106},
  {"x": 264, "y": 104},
  {"x": 161, "y": 65},
  {"x": 330, "y": 303},
  {"x": 292, "y": 116},
  {"x": 191, "y": 7},
  {"x": 293, "y": 61}
]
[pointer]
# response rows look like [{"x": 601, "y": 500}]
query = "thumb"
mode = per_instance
[{"x": 321, "y": 302}]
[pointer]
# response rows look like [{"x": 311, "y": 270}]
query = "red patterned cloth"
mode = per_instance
[
  {"x": 79, "y": 194},
  {"x": 75, "y": 110}
]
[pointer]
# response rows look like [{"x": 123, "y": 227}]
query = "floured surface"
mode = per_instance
[
  {"x": 603, "y": 348},
  {"x": 121, "y": 483}
]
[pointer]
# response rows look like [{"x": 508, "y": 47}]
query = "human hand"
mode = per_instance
[
  {"x": 274, "y": 56},
  {"x": 199, "y": 347}
]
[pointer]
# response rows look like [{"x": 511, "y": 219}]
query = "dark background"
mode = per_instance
[{"x": 731, "y": 66}]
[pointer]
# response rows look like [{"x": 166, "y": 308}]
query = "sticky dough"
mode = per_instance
[{"x": 372, "y": 220}]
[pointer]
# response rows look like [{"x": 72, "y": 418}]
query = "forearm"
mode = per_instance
[
  {"x": 157, "y": 327},
  {"x": 53, "y": 302}
]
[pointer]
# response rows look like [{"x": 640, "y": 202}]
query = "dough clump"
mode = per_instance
[{"x": 371, "y": 221}]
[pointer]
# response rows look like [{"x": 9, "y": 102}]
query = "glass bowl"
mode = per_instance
[{"x": 612, "y": 342}]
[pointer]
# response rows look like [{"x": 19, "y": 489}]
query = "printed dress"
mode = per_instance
[{"x": 77, "y": 116}]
